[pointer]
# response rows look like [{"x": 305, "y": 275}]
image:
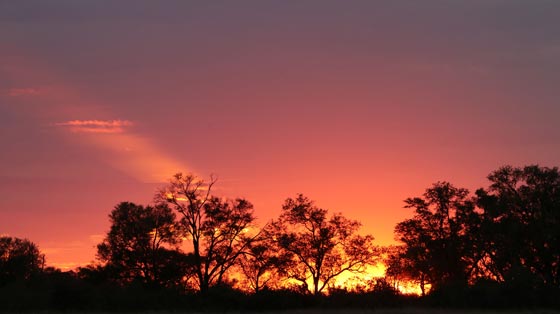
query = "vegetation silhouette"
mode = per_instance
[
  {"x": 20, "y": 259},
  {"x": 134, "y": 248},
  {"x": 262, "y": 266},
  {"x": 217, "y": 229},
  {"x": 521, "y": 225},
  {"x": 319, "y": 248},
  {"x": 496, "y": 248},
  {"x": 439, "y": 244}
]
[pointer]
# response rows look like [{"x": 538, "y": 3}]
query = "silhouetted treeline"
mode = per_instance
[
  {"x": 192, "y": 250},
  {"x": 65, "y": 291},
  {"x": 192, "y": 240},
  {"x": 505, "y": 236}
]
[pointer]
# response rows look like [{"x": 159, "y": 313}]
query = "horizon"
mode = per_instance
[{"x": 357, "y": 105}]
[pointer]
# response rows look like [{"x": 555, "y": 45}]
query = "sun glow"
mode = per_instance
[
  {"x": 367, "y": 279},
  {"x": 172, "y": 197},
  {"x": 411, "y": 288},
  {"x": 353, "y": 281}
]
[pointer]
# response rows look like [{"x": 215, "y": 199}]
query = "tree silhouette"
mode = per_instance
[
  {"x": 440, "y": 240},
  {"x": 521, "y": 226},
  {"x": 400, "y": 268},
  {"x": 135, "y": 246},
  {"x": 321, "y": 248},
  {"x": 20, "y": 259},
  {"x": 262, "y": 262},
  {"x": 217, "y": 228}
]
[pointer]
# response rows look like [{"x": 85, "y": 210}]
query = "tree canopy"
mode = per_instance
[
  {"x": 20, "y": 259},
  {"x": 141, "y": 245},
  {"x": 502, "y": 241},
  {"x": 218, "y": 229},
  {"x": 508, "y": 232},
  {"x": 321, "y": 247},
  {"x": 439, "y": 240},
  {"x": 521, "y": 227}
]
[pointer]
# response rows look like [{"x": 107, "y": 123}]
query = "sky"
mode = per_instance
[{"x": 356, "y": 104}]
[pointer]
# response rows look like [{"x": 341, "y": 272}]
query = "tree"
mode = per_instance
[
  {"x": 141, "y": 245},
  {"x": 262, "y": 262},
  {"x": 441, "y": 245},
  {"x": 217, "y": 228},
  {"x": 321, "y": 248},
  {"x": 521, "y": 225},
  {"x": 20, "y": 259},
  {"x": 400, "y": 269}
]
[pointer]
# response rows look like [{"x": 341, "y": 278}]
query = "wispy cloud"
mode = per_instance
[
  {"x": 115, "y": 142},
  {"x": 25, "y": 91},
  {"x": 96, "y": 126},
  {"x": 97, "y": 123},
  {"x": 123, "y": 149}
]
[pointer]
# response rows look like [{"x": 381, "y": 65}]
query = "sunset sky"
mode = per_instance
[{"x": 356, "y": 104}]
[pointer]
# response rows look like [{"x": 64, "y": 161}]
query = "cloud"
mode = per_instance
[
  {"x": 96, "y": 126},
  {"x": 137, "y": 156},
  {"x": 101, "y": 123},
  {"x": 126, "y": 151},
  {"x": 114, "y": 142},
  {"x": 25, "y": 91}
]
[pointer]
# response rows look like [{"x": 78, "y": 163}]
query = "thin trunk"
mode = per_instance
[
  {"x": 198, "y": 265},
  {"x": 316, "y": 285},
  {"x": 422, "y": 287}
]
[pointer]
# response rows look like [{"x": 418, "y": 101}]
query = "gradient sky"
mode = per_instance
[{"x": 357, "y": 104}]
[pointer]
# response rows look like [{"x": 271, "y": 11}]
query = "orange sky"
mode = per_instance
[{"x": 356, "y": 104}]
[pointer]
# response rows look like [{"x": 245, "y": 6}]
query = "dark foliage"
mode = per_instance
[
  {"x": 521, "y": 225},
  {"x": 140, "y": 247},
  {"x": 215, "y": 227},
  {"x": 440, "y": 245},
  {"x": 20, "y": 259},
  {"x": 497, "y": 249},
  {"x": 319, "y": 247}
]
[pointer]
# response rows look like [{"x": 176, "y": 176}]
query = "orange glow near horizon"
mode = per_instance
[{"x": 351, "y": 280}]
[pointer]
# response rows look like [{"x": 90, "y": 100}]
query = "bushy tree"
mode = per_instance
[
  {"x": 521, "y": 226},
  {"x": 441, "y": 246},
  {"x": 142, "y": 245},
  {"x": 217, "y": 228},
  {"x": 20, "y": 259},
  {"x": 320, "y": 247}
]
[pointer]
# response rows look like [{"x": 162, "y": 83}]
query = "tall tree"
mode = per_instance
[
  {"x": 217, "y": 228},
  {"x": 321, "y": 247},
  {"x": 141, "y": 243},
  {"x": 20, "y": 259},
  {"x": 440, "y": 241},
  {"x": 521, "y": 224}
]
